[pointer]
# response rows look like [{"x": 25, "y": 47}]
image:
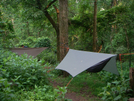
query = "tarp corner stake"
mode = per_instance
[{"x": 77, "y": 61}]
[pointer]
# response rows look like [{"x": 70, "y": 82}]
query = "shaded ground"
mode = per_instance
[
  {"x": 82, "y": 96},
  {"x": 75, "y": 96}
]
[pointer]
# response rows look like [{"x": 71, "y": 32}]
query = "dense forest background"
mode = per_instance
[
  {"x": 35, "y": 23},
  {"x": 114, "y": 24}
]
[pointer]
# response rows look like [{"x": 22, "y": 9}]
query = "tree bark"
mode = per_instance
[
  {"x": 63, "y": 29},
  {"x": 131, "y": 77},
  {"x": 95, "y": 27}
]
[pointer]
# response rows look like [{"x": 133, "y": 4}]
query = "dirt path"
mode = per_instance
[{"x": 73, "y": 95}]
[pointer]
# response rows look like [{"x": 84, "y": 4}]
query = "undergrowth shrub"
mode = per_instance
[
  {"x": 44, "y": 93},
  {"x": 118, "y": 87},
  {"x": 6, "y": 93},
  {"x": 23, "y": 78},
  {"x": 48, "y": 55},
  {"x": 116, "y": 91},
  {"x": 43, "y": 42},
  {"x": 19, "y": 72},
  {"x": 24, "y": 72},
  {"x": 35, "y": 42}
]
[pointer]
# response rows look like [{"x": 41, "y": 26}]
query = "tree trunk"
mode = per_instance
[
  {"x": 131, "y": 77},
  {"x": 113, "y": 27},
  {"x": 63, "y": 29},
  {"x": 113, "y": 3},
  {"x": 28, "y": 32},
  {"x": 58, "y": 45},
  {"x": 13, "y": 23},
  {"x": 95, "y": 27},
  {"x": 58, "y": 35},
  {"x": 127, "y": 40}
]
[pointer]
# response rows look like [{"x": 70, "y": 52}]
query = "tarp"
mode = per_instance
[
  {"x": 77, "y": 61},
  {"x": 30, "y": 51}
]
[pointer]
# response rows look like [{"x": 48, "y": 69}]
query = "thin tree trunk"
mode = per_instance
[
  {"x": 95, "y": 27},
  {"x": 58, "y": 45},
  {"x": 13, "y": 23},
  {"x": 58, "y": 35},
  {"x": 28, "y": 32},
  {"x": 113, "y": 27},
  {"x": 127, "y": 40},
  {"x": 113, "y": 3}
]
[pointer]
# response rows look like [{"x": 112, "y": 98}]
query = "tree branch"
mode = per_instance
[
  {"x": 50, "y": 4},
  {"x": 55, "y": 26},
  {"x": 51, "y": 20},
  {"x": 57, "y": 13}
]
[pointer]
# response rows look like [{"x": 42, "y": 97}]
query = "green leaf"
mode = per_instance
[{"x": 117, "y": 98}]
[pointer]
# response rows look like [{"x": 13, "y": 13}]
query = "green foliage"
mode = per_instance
[
  {"x": 123, "y": 69},
  {"x": 43, "y": 42},
  {"x": 116, "y": 91},
  {"x": 61, "y": 96},
  {"x": 23, "y": 78},
  {"x": 83, "y": 83},
  {"x": 23, "y": 71},
  {"x": 6, "y": 32},
  {"x": 48, "y": 55},
  {"x": 43, "y": 93},
  {"x": 6, "y": 93},
  {"x": 117, "y": 88},
  {"x": 114, "y": 30},
  {"x": 35, "y": 42}
]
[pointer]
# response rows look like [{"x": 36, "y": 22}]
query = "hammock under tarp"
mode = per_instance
[
  {"x": 77, "y": 61},
  {"x": 30, "y": 51}
]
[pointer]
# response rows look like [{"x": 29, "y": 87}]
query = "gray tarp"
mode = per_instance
[
  {"x": 30, "y": 51},
  {"x": 76, "y": 62}
]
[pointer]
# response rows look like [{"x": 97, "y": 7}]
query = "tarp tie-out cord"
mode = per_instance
[
  {"x": 64, "y": 46},
  {"x": 120, "y": 60},
  {"x": 66, "y": 86},
  {"x": 69, "y": 82},
  {"x": 100, "y": 49},
  {"x": 50, "y": 70}
]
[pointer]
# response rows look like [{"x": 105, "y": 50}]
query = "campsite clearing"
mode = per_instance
[{"x": 78, "y": 90}]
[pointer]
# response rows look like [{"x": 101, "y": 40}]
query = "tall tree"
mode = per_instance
[
  {"x": 63, "y": 27},
  {"x": 95, "y": 28},
  {"x": 41, "y": 7}
]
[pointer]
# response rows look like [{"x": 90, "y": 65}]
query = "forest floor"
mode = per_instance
[{"x": 75, "y": 96}]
